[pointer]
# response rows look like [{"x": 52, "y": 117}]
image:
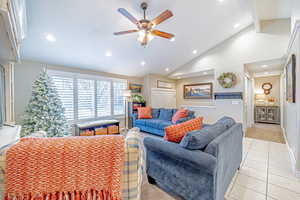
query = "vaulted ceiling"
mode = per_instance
[{"x": 83, "y": 33}]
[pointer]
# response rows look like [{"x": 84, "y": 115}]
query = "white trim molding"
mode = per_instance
[
  {"x": 9, "y": 93},
  {"x": 292, "y": 155}
]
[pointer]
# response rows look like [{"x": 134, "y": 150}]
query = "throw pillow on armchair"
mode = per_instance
[{"x": 175, "y": 133}]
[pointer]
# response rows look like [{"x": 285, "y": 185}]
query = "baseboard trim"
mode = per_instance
[{"x": 291, "y": 154}]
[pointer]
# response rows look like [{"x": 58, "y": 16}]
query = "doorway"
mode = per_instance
[{"x": 264, "y": 100}]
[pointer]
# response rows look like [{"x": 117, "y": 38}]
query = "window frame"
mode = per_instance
[{"x": 75, "y": 76}]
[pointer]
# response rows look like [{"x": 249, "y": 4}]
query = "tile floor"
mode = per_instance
[{"x": 265, "y": 174}]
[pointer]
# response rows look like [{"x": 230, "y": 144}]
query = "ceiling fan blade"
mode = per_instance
[
  {"x": 125, "y": 13},
  {"x": 162, "y": 34},
  {"x": 125, "y": 32},
  {"x": 162, "y": 17}
]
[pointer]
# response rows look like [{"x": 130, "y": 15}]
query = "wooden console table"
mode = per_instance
[{"x": 267, "y": 114}]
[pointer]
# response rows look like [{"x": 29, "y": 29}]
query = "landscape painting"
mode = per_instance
[
  {"x": 198, "y": 91},
  {"x": 135, "y": 88}
]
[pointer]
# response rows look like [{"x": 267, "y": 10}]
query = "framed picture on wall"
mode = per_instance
[
  {"x": 164, "y": 84},
  {"x": 135, "y": 88},
  {"x": 291, "y": 80},
  {"x": 198, "y": 91}
]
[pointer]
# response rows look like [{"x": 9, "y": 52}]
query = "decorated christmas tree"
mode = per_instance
[{"x": 44, "y": 111}]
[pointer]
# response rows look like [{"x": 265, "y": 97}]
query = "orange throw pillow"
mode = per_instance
[
  {"x": 144, "y": 113},
  {"x": 175, "y": 133},
  {"x": 181, "y": 113}
]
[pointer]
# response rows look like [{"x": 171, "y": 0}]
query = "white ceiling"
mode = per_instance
[
  {"x": 84, "y": 32},
  {"x": 266, "y": 68}
]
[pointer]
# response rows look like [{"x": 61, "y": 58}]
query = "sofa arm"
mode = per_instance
[
  {"x": 184, "y": 120},
  {"x": 195, "y": 158},
  {"x": 134, "y": 116}
]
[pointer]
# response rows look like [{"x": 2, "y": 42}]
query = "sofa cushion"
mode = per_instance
[
  {"x": 181, "y": 113},
  {"x": 157, "y": 123},
  {"x": 226, "y": 121},
  {"x": 155, "y": 113},
  {"x": 199, "y": 139},
  {"x": 141, "y": 122},
  {"x": 175, "y": 133},
  {"x": 145, "y": 112},
  {"x": 166, "y": 114}
]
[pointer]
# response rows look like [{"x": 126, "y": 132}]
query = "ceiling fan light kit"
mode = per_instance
[{"x": 145, "y": 27}]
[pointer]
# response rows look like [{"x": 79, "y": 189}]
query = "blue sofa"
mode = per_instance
[
  {"x": 161, "y": 118},
  {"x": 197, "y": 174}
]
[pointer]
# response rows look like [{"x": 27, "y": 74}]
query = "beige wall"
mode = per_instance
[
  {"x": 150, "y": 81},
  {"x": 192, "y": 102},
  {"x": 27, "y": 72},
  {"x": 274, "y": 80}
]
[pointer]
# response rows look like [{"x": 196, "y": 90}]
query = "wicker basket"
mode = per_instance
[
  {"x": 101, "y": 131},
  {"x": 87, "y": 133},
  {"x": 113, "y": 129}
]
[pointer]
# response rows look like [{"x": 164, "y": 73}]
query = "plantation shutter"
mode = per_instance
[
  {"x": 103, "y": 98},
  {"x": 119, "y": 99},
  {"x": 65, "y": 89},
  {"x": 86, "y": 98}
]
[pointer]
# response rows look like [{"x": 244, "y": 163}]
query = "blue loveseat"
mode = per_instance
[
  {"x": 161, "y": 118},
  {"x": 197, "y": 174}
]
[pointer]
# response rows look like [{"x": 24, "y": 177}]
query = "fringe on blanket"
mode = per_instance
[{"x": 76, "y": 195}]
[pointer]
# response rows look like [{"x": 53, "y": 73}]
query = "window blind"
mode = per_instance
[
  {"x": 119, "y": 99},
  {"x": 103, "y": 98},
  {"x": 65, "y": 90},
  {"x": 89, "y": 97},
  {"x": 86, "y": 98}
]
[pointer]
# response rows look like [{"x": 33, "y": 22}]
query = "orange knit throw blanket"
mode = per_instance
[{"x": 73, "y": 168}]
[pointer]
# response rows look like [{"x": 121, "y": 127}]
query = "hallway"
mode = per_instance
[{"x": 266, "y": 132}]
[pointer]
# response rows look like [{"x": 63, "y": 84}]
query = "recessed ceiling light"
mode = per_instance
[
  {"x": 167, "y": 69},
  {"x": 173, "y": 39},
  {"x": 195, "y": 51},
  {"x": 143, "y": 63},
  {"x": 108, "y": 54},
  {"x": 221, "y": 1},
  {"x": 50, "y": 38},
  {"x": 236, "y": 25},
  {"x": 264, "y": 66},
  {"x": 205, "y": 73}
]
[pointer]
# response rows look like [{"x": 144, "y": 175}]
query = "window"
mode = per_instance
[
  {"x": 86, "y": 98},
  {"x": 65, "y": 89},
  {"x": 119, "y": 100},
  {"x": 103, "y": 98},
  {"x": 89, "y": 97}
]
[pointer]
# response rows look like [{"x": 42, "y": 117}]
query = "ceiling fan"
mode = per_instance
[{"x": 145, "y": 26}]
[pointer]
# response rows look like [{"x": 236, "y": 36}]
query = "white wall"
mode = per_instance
[
  {"x": 150, "y": 81},
  {"x": 292, "y": 110},
  {"x": 245, "y": 47},
  {"x": 193, "y": 102}
]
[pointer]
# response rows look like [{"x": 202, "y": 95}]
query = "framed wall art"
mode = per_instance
[
  {"x": 291, "y": 80},
  {"x": 198, "y": 91},
  {"x": 164, "y": 84}
]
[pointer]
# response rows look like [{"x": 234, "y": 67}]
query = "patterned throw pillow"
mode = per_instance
[
  {"x": 175, "y": 133},
  {"x": 181, "y": 113},
  {"x": 144, "y": 113}
]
